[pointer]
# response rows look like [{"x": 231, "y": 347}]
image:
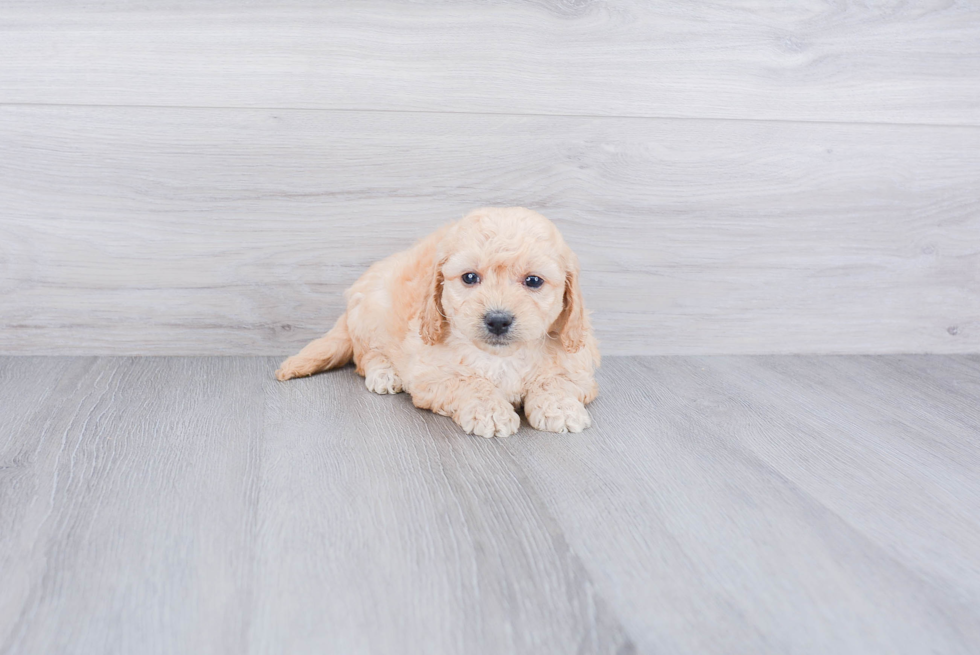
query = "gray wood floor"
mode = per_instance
[{"x": 718, "y": 505}]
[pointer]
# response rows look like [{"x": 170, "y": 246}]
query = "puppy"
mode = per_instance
[{"x": 477, "y": 319}]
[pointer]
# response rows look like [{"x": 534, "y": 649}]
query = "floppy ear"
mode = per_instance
[
  {"x": 432, "y": 319},
  {"x": 573, "y": 323}
]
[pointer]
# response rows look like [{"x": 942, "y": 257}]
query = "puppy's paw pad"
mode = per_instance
[
  {"x": 558, "y": 415},
  {"x": 383, "y": 380},
  {"x": 490, "y": 419}
]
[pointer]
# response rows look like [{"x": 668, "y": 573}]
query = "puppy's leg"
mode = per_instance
[
  {"x": 473, "y": 402},
  {"x": 329, "y": 351},
  {"x": 554, "y": 404},
  {"x": 379, "y": 374}
]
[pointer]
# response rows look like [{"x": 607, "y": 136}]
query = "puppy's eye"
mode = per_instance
[
  {"x": 533, "y": 281},
  {"x": 471, "y": 279}
]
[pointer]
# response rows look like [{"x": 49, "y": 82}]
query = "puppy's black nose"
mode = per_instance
[{"x": 498, "y": 322}]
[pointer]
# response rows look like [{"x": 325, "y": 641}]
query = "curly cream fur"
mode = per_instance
[{"x": 412, "y": 325}]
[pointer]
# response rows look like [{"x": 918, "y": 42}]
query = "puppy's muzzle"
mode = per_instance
[{"x": 498, "y": 322}]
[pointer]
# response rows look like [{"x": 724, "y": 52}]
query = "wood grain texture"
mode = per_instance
[
  {"x": 814, "y": 60},
  {"x": 404, "y": 535},
  {"x": 180, "y": 231},
  {"x": 197, "y": 505},
  {"x": 128, "y": 491},
  {"x": 743, "y": 505},
  {"x": 718, "y": 505}
]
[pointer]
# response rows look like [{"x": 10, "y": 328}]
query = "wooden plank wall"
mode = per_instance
[{"x": 205, "y": 178}]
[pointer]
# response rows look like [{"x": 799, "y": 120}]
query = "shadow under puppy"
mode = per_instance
[{"x": 480, "y": 317}]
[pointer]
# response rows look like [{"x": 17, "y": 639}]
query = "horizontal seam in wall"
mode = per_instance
[{"x": 355, "y": 110}]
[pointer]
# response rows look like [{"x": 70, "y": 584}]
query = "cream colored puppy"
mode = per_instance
[{"x": 477, "y": 319}]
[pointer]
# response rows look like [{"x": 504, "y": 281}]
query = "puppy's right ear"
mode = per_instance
[{"x": 432, "y": 319}]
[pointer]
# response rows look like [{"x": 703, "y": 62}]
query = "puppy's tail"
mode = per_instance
[{"x": 332, "y": 350}]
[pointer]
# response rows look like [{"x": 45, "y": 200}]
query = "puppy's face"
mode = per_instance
[
  {"x": 504, "y": 280},
  {"x": 501, "y": 304}
]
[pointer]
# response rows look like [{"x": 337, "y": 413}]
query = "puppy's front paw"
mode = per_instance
[
  {"x": 383, "y": 379},
  {"x": 556, "y": 414},
  {"x": 493, "y": 417}
]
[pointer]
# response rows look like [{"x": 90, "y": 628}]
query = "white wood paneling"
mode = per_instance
[
  {"x": 888, "y": 61},
  {"x": 188, "y": 231}
]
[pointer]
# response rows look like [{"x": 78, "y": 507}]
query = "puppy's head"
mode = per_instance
[{"x": 503, "y": 278}]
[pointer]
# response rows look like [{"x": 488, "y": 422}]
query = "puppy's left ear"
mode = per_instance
[
  {"x": 432, "y": 318},
  {"x": 572, "y": 325}
]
